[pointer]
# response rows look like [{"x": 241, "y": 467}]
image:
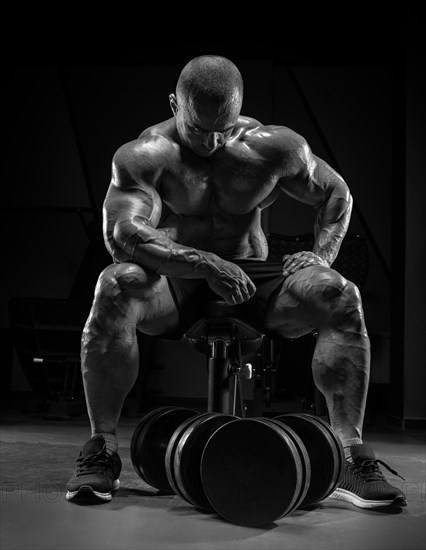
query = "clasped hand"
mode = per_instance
[{"x": 299, "y": 260}]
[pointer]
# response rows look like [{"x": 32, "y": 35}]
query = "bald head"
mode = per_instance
[
  {"x": 207, "y": 103},
  {"x": 210, "y": 79}
]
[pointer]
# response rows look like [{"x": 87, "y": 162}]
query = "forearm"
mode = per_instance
[
  {"x": 332, "y": 223},
  {"x": 135, "y": 241}
]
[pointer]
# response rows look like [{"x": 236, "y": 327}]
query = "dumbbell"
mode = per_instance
[
  {"x": 166, "y": 449},
  {"x": 250, "y": 471},
  {"x": 149, "y": 444},
  {"x": 325, "y": 451},
  {"x": 183, "y": 456},
  {"x": 255, "y": 471}
]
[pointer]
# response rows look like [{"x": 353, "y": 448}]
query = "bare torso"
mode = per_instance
[{"x": 215, "y": 203}]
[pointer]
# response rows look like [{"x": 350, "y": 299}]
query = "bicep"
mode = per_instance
[
  {"x": 310, "y": 179},
  {"x": 132, "y": 191},
  {"x": 140, "y": 202}
]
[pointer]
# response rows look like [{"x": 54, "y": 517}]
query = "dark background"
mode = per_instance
[{"x": 69, "y": 106}]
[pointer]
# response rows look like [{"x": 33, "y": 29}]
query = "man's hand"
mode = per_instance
[
  {"x": 230, "y": 282},
  {"x": 299, "y": 260}
]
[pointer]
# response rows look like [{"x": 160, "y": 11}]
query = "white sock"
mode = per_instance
[
  {"x": 347, "y": 443},
  {"x": 111, "y": 441}
]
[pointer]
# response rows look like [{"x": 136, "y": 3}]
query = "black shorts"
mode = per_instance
[{"x": 191, "y": 295}]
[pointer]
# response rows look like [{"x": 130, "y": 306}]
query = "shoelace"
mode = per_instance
[
  {"x": 369, "y": 469},
  {"x": 91, "y": 464}
]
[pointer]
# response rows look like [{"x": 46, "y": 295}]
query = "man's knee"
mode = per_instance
[
  {"x": 125, "y": 281},
  {"x": 345, "y": 304}
]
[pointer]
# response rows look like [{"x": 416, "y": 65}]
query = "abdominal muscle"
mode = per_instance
[{"x": 231, "y": 238}]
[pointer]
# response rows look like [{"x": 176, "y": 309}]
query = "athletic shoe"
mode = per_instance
[
  {"x": 96, "y": 474},
  {"x": 363, "y": 484}
]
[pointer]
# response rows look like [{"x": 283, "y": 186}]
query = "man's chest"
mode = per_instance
[{"x": 226, "y": 184}]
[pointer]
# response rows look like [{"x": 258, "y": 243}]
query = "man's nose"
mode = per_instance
[{"x": 212, "y": 140}]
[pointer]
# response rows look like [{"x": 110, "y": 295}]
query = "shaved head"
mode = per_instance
[
  {"x": 210, "y": 79},
  {"x": 207, "y": 104}
]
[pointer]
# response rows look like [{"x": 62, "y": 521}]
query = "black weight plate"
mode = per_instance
[
  {"x": 171, "y": 450},
  {"x": 322, "y": 453},
  {"x": 187, "y": 459},
  {"x": 251, "y": 472},
  {"x": 153, "y": 441},
  {"x": 305, "y": 462},
  {"x": 135, "y": 444},
  {"x": 339, "y": 458},
  {"x": 339, "y": 447}
]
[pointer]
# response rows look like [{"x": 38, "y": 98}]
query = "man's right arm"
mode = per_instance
[{"x": 132, "y": 211}]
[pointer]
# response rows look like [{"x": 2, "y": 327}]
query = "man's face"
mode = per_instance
[{"x": 205, "y": 128}]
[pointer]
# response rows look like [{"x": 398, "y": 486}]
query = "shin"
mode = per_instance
[
  {"x": 341, "y": 365},
  {"x": 109, "y": 347}
]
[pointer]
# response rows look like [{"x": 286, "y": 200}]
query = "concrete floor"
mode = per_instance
[{"x": 40, "y": 518}]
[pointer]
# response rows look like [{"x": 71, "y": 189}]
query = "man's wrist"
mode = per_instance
[{"x": 207, "y": 265}]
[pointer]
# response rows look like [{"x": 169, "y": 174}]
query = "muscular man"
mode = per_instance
[{"x": 182, "y": 221}]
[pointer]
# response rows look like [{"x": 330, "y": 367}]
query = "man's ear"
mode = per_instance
[{"x": 173, "y": 103}]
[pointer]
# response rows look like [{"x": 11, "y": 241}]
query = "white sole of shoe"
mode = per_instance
[
  {"x": 342, "y": 494},
  {"x": 86, "y": 493}
]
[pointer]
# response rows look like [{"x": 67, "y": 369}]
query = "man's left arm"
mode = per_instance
[{"x": 311, "y": 180}]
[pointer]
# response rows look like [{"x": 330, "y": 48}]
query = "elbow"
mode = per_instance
[
  {"x": 121, "y": 232},
  {"x": 345, "y": 192},
  {"x": 342, "y": 193},
  {"x": 120, "y": 240},
  {"x": 350, "y": 202},
  {"x": 125, "y": 235}
]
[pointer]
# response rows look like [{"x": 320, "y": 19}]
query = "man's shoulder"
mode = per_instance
[
  {"x": 163, "y": 134},
  {"x": 155, "y": 143},
  {"x": 252, "y": 128},
  {"x": 268, "y": 137}
]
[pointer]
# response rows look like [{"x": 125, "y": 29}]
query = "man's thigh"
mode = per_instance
[
  {"x": 174, "y": 305},
  {"x": 305, "y": 302},
  {"x": 160, "y": 314}
]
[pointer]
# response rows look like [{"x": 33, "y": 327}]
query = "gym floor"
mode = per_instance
[{"x": 38, "y": 457}]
